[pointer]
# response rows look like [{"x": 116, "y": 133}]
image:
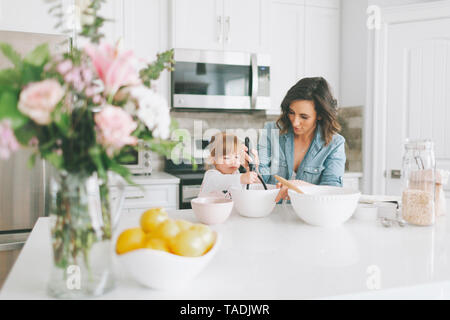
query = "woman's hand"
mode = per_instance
[
  {"x": 283, "y": 193},
  {"x": 249, "y": 177}
]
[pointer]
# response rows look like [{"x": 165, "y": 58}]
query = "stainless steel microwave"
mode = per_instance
[{"x": 220, "y": 80}]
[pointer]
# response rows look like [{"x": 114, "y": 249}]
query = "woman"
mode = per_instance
[{"x": 310, "y": 149}]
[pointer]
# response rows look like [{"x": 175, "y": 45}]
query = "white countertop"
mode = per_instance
[{"x": 280, "y": 257}]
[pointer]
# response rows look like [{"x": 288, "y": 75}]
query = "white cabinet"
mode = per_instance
[
  {"x": 304, "y": 43},
  {"x": 151, "y": 196},
  {"x": 231, "y": 25},
  {"x": 29, "y": 16},
  {"x": 322, "y": 38}
]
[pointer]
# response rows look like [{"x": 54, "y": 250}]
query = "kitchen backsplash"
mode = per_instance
[{"x": 350, "y": 119}]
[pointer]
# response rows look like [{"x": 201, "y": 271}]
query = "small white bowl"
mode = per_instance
[
  {"x": 210, "y": 210},
  {"x": 163, "y": 270},
  {"x": 324, "y": 206},
  {"x": 255, "y": 202}
]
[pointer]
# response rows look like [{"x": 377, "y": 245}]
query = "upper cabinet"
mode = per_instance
[
  {"x": 304, "y": 42},
  {"x": 29, "y": 16},
  {"x": 231, "y": 25},
  {"x": 322, "y": 49}
]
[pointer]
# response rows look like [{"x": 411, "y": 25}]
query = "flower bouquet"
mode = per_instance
[{"x": 82, "y": 112}]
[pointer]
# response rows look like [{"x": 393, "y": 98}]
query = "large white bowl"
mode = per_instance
[
  {"x": 324, "y": 206},
  {"x": 255, "y": 202},
  {"x": 163, "y": 270}
]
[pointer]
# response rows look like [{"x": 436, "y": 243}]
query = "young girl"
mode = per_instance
[{"x": 227, "y": 154}]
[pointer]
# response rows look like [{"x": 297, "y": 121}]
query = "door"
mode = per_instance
[
  {"x": 322, "y": 37},
  {"x": 244, "y": 25},
  {"x": 287, "y": 49},
  {"x": 198, "y": 24},
  {"x": 418, "y": 95}
]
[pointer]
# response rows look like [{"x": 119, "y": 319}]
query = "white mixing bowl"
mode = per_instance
[
  {"x": 163, "y": 270},
  {"x": 324, "y": 206},
  {"x": 255, "y": 202}
]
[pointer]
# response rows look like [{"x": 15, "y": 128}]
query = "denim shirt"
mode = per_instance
[{"x": 322, "y": 165}]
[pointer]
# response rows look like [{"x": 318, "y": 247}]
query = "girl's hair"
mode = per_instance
[
  {"x": 223, "y": 144},
  {"x": 316, "y": 90}
]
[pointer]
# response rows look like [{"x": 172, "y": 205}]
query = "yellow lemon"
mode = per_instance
[
  {"x": 187, "y": 243},
  {"x": 166, "y": 230},
  {"x": 183, "y": 224},
  {"x": 156, "y": 244},
  {"x": 205, "y": 233},
  {"x": 130, "y": 239},
  {"x": 151, "y": 218}
]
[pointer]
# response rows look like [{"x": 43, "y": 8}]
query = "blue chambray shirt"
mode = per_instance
[{"x": 322, "y": 165}]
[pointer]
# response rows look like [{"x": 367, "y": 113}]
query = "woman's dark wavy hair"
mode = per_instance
[{"x": 316, "y": 90}]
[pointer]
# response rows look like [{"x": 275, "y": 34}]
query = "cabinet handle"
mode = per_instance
[
  {"x": 220, "y": 28},
  {"x": 135, "y": 197},
  {"x": 228, "y": 22}
]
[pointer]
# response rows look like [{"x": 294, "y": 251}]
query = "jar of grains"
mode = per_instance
[{"x": 418, "y": 197}]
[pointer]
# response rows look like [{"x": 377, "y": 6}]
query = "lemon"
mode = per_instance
[
  {"x": 151, "y": 218},
  {"x": 130, "y": 239},
  {"x": 166, "y": 230},
  {"x": 188, "y": 243},
  {"x": 183, "y": 224},
  {"x": 205, "y": 233},
  {"x": 156, "y": 244}
]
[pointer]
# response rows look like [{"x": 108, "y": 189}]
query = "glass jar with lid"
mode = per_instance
[{"x": 418, "y": 196}]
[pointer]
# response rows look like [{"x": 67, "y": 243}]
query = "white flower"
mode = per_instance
[{"x": 153, "y": 111}]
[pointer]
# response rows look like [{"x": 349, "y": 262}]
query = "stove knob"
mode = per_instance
[{"x": 146, "y": 156}]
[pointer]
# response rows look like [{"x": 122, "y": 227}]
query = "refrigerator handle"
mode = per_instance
[{"x": 255, "y": 80}]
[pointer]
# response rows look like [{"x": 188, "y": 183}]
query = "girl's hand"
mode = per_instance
[
  {"x": 247, "y": 158},
  {"x": 249, "y": 177}
]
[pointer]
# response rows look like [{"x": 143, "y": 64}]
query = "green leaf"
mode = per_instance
[
  {"x": 56, "y": 160},
  {"x": 31, "y": 161},
  {"x": 10, "y": 78},
  {"x": 63, "y": 123},
  {"x": 96, "y": 157},
  {"x": 11, "y": 54},
  {"x": 8, "y": 109},
  {"x": 39, "y": 56},
  {"x": 25, "y": 133},
  {"x": 31, "y": 73}
]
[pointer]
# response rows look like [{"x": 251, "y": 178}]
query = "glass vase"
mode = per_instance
[{"x": 81, "y": 226}]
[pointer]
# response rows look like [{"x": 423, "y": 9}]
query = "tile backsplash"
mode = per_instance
[{"x": 350, "y": 119}]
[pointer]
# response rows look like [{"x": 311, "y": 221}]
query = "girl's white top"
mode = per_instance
[{"x": 216, "y": 183}]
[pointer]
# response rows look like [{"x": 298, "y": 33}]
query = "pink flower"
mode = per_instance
[
  {"x": 38, "y": 100},
  {"x": 115, "y": 68},
  {"x": 8, "y": 141},
  {"x": 114, "y": 128},
  {"x": 64, "y": 66}
]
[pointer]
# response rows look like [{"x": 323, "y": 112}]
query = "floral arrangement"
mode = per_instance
[{"x": 84, "y": 110}]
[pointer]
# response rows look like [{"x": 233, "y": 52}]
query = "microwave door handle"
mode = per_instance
[{"x": 255, "y": 81}]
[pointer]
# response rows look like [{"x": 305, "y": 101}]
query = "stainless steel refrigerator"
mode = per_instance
[{"x": 22, "y": 191}]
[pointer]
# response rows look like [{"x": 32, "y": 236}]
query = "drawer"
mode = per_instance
[{"x": 151, "y": 196}]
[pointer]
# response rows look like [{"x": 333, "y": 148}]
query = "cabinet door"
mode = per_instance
[
  {"x": 246, "y": 25},
  {"x": 151, "y": 196},
  {"x": 287, "y": 49},
  {"x": 30, "y": 16},
  {"x": 322, "y": 45},
  {"x": 197, "y": 24}
]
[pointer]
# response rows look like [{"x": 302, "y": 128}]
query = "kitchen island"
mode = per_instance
[{"x": 280, "y": 257}]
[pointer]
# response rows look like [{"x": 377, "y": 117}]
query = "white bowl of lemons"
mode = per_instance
[{"x": 164, "y": 253}]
